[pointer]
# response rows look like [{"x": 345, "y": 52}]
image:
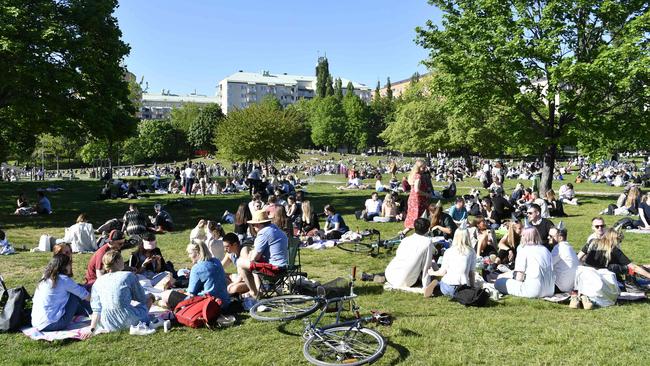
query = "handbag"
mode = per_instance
[
  {"x": 13, "y": 313},
  {"x": 198, "y": 311}
]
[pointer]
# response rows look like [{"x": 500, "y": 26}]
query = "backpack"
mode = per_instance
[
  {"x": 198, "y": 311},
  {"x": 470, "y": 296},
  {"x": 14, "y": 312},
  {"x": 45, "y": 243}
]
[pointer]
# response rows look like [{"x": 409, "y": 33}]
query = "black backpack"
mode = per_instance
[
  {"x": 470, "y": 296},
  {"x": 13, "y": 308}
]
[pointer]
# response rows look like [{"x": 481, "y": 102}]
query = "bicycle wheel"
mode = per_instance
[
  {"x": 355, "y": 247},
  {"x": 286, "y": 307},
  {"x": 344, "y": 346}
]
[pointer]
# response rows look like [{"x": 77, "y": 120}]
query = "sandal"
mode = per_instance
[{"x": 381, "y": 318}]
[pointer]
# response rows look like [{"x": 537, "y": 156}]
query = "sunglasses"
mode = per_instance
[{"x": 599, "y": 226}]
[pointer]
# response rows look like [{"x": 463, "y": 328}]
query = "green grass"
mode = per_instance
[{"x": 426, "y": 331}]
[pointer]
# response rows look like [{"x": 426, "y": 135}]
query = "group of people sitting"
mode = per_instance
[{"x": 42, "y": 206}]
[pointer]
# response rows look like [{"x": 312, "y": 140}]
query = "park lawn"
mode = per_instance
[{"x": 425, "y": 331}]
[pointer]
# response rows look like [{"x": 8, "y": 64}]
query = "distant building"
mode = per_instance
[
  {"x": 398, "y": 87},
  {"x": 159, "y": 106},
  {"x": 242, "y": 89}
]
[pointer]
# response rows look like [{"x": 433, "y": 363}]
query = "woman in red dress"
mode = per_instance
[{"x": 418, "y": 196}]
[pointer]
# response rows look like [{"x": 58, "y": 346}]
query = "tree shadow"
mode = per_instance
[{"x": 375, "y": 289}]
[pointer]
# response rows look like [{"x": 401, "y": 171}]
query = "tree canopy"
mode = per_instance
[
  {"x": 201, "y": 131},
  {"x": 553, "y": 72}
]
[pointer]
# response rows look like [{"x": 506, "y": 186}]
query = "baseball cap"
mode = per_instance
[{"x": 115, "y": 235}]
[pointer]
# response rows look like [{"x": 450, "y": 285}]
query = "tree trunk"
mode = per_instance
[
  {"x": 467, "y": 158},
  {"x": 548, "y": 167}
]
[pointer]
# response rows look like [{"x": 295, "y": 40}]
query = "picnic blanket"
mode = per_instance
[
  {"x": 81, "y": 324},
  {"x": 638, "y": 231}
]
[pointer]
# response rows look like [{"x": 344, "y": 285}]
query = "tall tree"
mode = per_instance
[
  {"x": 389, "y": 91},
  {"x": 61, "y": 68},
  {"x": 349, "y": 89},
  {"x": 330, "y": 86},
  {"x": 564, "y": 70},
  {"x": 356, "y": 114},
  {"x": 328, "y": 122},
  {"x": 260, "y": 132},
  {"x": 338, "y": 89},
  {"x": 323, "y": 77},
  {"x": 201, "y": 132}
]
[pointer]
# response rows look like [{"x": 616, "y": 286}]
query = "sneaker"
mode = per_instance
[
  {"x": 156, "y": 323},
  {"x": 428, "y": 291},
  {"x": 575, "y": 302},
  {"x": 263, "y": 308},
  {"x": 586, "y": 303},
  {"x": 141, "y": 329}
]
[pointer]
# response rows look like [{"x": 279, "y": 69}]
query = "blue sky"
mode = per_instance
[{"x": 188, "y": 45}]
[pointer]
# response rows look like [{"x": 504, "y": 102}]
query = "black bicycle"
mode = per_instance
[{"x": 339, "y": 343}]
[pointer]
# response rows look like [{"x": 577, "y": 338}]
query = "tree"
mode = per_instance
[
  {"x": 201, "y": 131},
  {"x": 349, "y": 89},
  {"x": 330, "y": 86},
  {"x": 563, "y": 71},
  {"x": 303, "y": 110},
  {"x": 389, "y": 91},
  {"x": 338, "y": 89},
  {"x": 49, "y": 146},
  {"x": 61, "y": 69},
  {"x": 94, "y": 150},
  {"x": 356, "y": 113},
  {"x": 155, "y": 141},
  {"x": 328, "y": 122},
  {"x": 323, "y": 77},
  {"x": 259, "y": 132}
]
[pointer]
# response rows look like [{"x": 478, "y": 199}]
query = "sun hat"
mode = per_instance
[{"x": 259, "y": 217}]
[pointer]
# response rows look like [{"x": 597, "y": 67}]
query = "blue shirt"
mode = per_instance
[
  {"x": 49, "y": 303},
  {"x": 111, "y": 298},
  {"x": 331, "y": 220},
  {"x": 45, "y": 204},
  {"x": 208, "y": 277},
  {"x": 273, "y": 244},
  {"x": 457, "y": 214}
]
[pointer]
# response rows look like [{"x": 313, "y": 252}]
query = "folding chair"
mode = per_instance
[{"x": 283, "y": 282}]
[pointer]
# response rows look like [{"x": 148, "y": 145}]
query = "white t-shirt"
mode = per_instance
[
  {"x": 536, "y": 263},
  {"x": 412, "y": 259},
  {"x": 458, "y": 266},
  {"x": 189, "y": 173},
  {"x": 565, "y": 264},
  {"x": 372, "y": 206}
]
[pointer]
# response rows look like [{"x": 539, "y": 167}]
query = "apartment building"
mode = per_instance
[{"x": 159, "y": 106}]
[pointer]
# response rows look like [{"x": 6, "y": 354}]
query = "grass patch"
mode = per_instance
[{"x": 431, "y": 331}]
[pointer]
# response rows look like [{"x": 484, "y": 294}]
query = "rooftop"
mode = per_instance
[
  {"x": 192, "y": 98},
  {"x": 281, "y": 79}
]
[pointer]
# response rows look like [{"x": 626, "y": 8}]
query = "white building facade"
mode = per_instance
[
  {"x": 159, "y": 106},
  {"x": 242, "y": 89}
]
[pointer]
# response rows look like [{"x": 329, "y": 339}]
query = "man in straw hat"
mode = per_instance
[{"x": 269, "y": 255}]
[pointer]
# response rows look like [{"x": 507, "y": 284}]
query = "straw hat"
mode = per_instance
[{"x": 260, "y": 217}]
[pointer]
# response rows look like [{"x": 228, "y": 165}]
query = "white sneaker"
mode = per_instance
[
  {"x": 141, "y": 329},
  {"x": 263, "y": 308}
]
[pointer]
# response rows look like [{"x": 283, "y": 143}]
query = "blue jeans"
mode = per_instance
[
  {"x": 447, "y": 290},
  {"x": 74, "y": 306},
  {"x": 500, "y": 285}
]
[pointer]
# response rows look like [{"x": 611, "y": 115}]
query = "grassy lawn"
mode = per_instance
[{"x": 426, "y": 331}]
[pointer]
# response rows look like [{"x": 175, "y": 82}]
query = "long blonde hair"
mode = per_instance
[
  {"x": 306, "y": 211},
  {"x": 607, "y": 242},
  {"x": 462, "y": 241},
  {"x": 632, "y": 197},
  {"x": 201, "y": 248},
  {"x": 513, "y": 238},
  {"x": 419, "y": 163}
]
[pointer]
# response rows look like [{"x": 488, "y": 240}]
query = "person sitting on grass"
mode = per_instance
[
  {"x": 643, "y": 222},
  {"x": 457, "y": 266},
  {"x": 507, "y": 248},
  {"x": 242, "y": 216},
  {"x": 281, "y": 220},
  {"x": 234, "y": 251},
  {"x": 95, "y": 267},
  {"x": 555, "y": 205},
  {"x": 388, "y": 210},
  {"x": 62, "y": 248},
  {"x": 43, "y": 207},
  {"x": 458, "y": 212},
  {"x": 565, "y": 261},
  {"x": 270, "y": 254},
  {"x": 372, "y": 208},
  {"x": 81, "y": 235},
  {"x": 135, "y": 223},
  {"x": 148, "y": 262},
  {"x": 309, "y": 225},
  {"x": 568, "y": 194},
  {"x": 535, "y": 219},
  {"x": 335, "y": 226},
  {"x": 412, "y": 255},
  {"x": 111, "y": 299},
  {"x": 483, "y": 238},
  {"x": 162, "y": 221},
  {"x": 58, "y": 298},
  {"x": 442, "y": 223},
  {"x": 533, "y": 273},
  {"x": 214, "y": 239}
]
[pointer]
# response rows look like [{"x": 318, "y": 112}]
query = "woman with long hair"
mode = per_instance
[
  {"x": 507, "y": 247},
  {"x": 483, "y": 238},
  {"x": 457, "y": 266},
  {"x": 418, "y": 196},
  {"x": 309, "y": 224},
  {"x": 242, "y": 216},
  {"x": 555, "y": 205},
  {"x": 442, "y": 223},
  {"x": 214, "y": 239},
  {"x": 533, "y": 273},
  {"x": 58, "y": 298},
  {"x": 281, "y": 220}
]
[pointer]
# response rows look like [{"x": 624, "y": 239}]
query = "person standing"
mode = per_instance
[{"x": 418, "y": 200}]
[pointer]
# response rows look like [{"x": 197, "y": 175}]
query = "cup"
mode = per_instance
[{"x": 167, "y": 325}]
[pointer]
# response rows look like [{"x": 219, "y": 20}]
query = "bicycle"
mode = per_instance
[
  {"x": 361, "y": 246},
  {"x": 342, "y": 342}
]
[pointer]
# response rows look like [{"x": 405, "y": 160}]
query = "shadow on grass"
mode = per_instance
[
  {"x": 403, "y": 352},
  {"x": 282, "y": 328},
  {"x": 373, "y": 289}
]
